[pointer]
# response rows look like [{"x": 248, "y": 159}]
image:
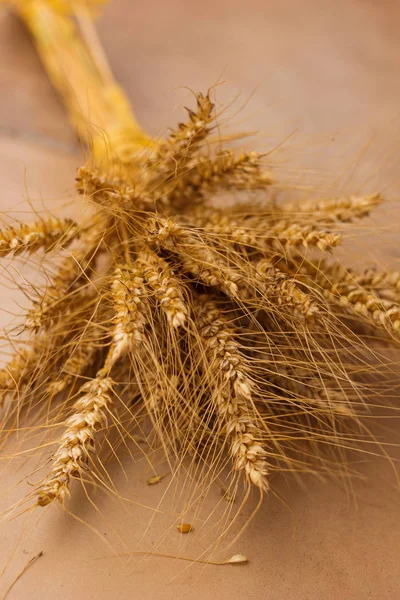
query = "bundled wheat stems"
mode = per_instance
[{"x": 233, "y": 330}]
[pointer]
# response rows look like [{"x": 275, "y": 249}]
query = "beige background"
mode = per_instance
[{"x": 329, "y": 69}]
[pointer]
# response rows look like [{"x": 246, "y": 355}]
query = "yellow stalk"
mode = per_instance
[{"x": 78, "y": 69}]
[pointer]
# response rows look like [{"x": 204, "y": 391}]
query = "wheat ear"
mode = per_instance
[
  {"x": 333, "y": 210},
  {"x": 29, "y": 237},
  {"x": 231, "y": 392},
  {"x": 226, "y": 170},
  {"x": 167, "y": 289},
  {"x": 129, "y": 296},
  {"x": 195, "y": 257},
  {"x": 67, "y": 281},
  {"x": 78, "y": 440},
  {"x": 259, "y": 233}
]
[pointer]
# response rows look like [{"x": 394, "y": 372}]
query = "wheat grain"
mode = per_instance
[
  {"x": 384, "y": 284},
  {"x": 384, "y": 313}
]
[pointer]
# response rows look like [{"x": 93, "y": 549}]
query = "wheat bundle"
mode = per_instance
[{"x": 233, "y": 330}]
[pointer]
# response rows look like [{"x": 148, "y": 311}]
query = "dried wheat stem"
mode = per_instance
[
  {"x": 232, "y": 393},
  {"x": 167, "y": 289},
  {"x": 333, "y": 210},
  {"x": 97, "y": 106},
  {"x": 378, "y": 279},
  {"x": 205, "y": 266},
  {"x": 240, "y": 215},
  {"x": 188, "y": 135},
  {"x": 51, "y": 305},
  {"x": 344, "y": 287},
  {"x": 383, "y": 312},
  {"x": 230, "y": 231},
  {"x": 99, "y": 185},
  {"x": 220, "y": 255},
  {"x": 29, "y": 237}
]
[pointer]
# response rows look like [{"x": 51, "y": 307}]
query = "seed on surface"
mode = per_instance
[
  {"x": 237, "y": 559},
  {"x": 185, "y": 527},
  {"x": 155, "y": 479}
]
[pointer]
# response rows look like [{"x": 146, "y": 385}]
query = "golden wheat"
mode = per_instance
[{"x": 223, "y": 325}]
